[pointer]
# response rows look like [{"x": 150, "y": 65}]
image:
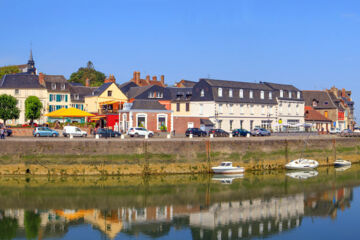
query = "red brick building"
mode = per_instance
[
  {"x": 147, "y": 81},
  {"x": 149, "y": 114}
]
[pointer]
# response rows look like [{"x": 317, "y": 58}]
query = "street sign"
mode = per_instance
[{"x": 280, "y": 121}]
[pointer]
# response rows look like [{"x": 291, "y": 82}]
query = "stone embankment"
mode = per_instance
[{"x": 163, "y": 156}]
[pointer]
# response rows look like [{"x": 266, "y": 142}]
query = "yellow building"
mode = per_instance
[{"x": 108, "y": 98}]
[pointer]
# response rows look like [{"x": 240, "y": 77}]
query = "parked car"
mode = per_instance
[
  {"x": 219, "y": 133},
  {"x": 139, "y": 131},
  {"x": 260, "y": 132},
  {"x": 74, "y": 131},
  {"x": 103, "y": 132},
  {"x": 196, "y": 132},
  {"x": 240, "y": 133},
  {"x": 45, "y": 132},
  {"x": 335, "y": 131}
]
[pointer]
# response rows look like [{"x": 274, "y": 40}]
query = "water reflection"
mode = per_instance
[{"x": 209, "y": 211}]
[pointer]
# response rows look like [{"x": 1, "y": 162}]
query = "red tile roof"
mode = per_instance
[{"x": 313, "y": 115}]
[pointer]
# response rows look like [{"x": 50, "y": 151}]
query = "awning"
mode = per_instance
[
  {"x": 206, "y": 122},
  {"x": 69, "y": 112},
  {"x": 109, "y": 102}
]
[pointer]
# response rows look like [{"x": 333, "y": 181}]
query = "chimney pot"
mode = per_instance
[
  {"x": 147, "y": 77},
  {"x": 154, "y": 78},
  {"x": 41, "y": 79},
  {"x": 162, "y": 79}
]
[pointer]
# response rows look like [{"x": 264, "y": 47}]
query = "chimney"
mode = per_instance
[
  {"x": 87, "y": 82},
  {"x": 162, "y": 77},
  {"x": 111, "y": 79},
  {"x": 154, "y": 78},
  {"x": 343, "y": 92},
  {"x": 148, "y": 79},
  {"x": 41, "y": 79},
  {"x": 134, "y": 77}
]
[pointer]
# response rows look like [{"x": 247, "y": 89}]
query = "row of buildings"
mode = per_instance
[{"x": 208, "y": 103}]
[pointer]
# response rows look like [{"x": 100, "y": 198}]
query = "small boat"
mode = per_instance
[
  {"x": 302, "y": 164},
  {"x": 302, "y": 174},
  {"x": 226, "y": 178},
  {"x": 227, "y": 168},
  {"x": 341, "y": 163}
]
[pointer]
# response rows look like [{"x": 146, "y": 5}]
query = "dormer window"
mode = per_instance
[
  {"x": 63, "y": 86},
  {"x": 76, "y": 96},
  {"x": 159, "y": 95},
  {"x": 270, "y": 95},
  {"x": 220, "y": 92},
  {"x": 202, "y": 93},
  {"x": 230, "y": 93},
  {"x": 262, "y": 94},
  {"x": 314, "y": 103},
  {"x": 298, "y": 95},
  {"x": 53, "y": 86},
  {"x": 241, "y": 93},
  {"x": 251, "y": 94},
  {"x": 281, "y": 93},
  {"x": 290, "y": 94},
  {"x": 151, "y": 94}
]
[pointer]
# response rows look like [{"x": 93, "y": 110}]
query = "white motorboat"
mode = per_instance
[
  {"x": 227, "y": 168},
  {"x": 226, "y": 178},
  {"x": 302, "y": 164},
  {"x": 341, "y": 163},
  {"x": 302, "y": 174}
]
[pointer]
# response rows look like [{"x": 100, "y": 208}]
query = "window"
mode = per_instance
[
  {"x": 220, "y": 92},
  {"x": 63, "y": 86},
  {"x": 220, "y": 122},
  {"x": 290, "y": 94},
  {"x": 280, "y": 108},
  {"x": 251, "y": 94},
  {"x": 241, "y": 124},
  {"x": 201, "y": 109},
  {"x": 53, "y": 86},
  {"x": 231, "y": 109},
  {"x": 230, "y": 93},
  {"x": 241, "y": 109},
  {"x": 241, "y": 93},
  {"x": 251, "y": 124},
  {"x": 297, "y": 109},
  {"x": 161, "y": 122},
  {"x": 220, "y": 108},
  {"x": 262, "y": 110},
  {"x": 298, "y": 95},
  {"x": 76, "y": 96},
  {"x": 109, "y": 93},
  {"x": 252, "y": 109},
  {"x": 326, "y": 114},
  {"x": 314, "y": 103},
  {"x": 151, "y": 95},
  {"x": 202, "y": 93},
  {"x": 187, "y": 107},
  {"x": 231, "y": 124},
  {"x": 159, "y": 95},
  {"x": 270, "y": 95},
  {"x": 16, "y": 91},
  {"x": 178, "y": 107},
  {"x": 281, "y": 93},
  {"x": 141, "y": 120},
  {"x": 262, "y": 94},
  {"x": 270, "y": 110},
  {"x": 289, "y": 108}
]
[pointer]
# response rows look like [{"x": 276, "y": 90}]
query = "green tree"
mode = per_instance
[
  {"x": 8, "y": 108},
  {"x": 32, "y": 224},
  {"x": 8, "y": 227},
  {"x": 8, "y": 70},
  {"x": 96, "y": 78},
  {"x": 33, "y": 108}
]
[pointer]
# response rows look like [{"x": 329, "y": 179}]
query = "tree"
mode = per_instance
[
  {"x": 32, "y": 224},
  {"x": 8, "y": 70},
  {"x": 96, "y": 78},
  {"x": 8, "y": 108},
  {"x": 33, "y": 108}
]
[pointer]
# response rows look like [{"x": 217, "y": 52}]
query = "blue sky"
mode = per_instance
[{"x": 311, "y": 44}]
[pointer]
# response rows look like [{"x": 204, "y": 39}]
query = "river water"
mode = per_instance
[{"x": 275, "y": 204}]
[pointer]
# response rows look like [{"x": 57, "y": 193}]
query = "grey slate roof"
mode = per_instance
[
  {"x": 76, "y": 84},
  {"x": 188, "y": 83},
  {"x": 336, "y": 101},
  {"x": 135, "y": 91},
  {"x": 235, "y": 84},
  {"x": 286, "y": 89},
  {"x": 80, "y": 91},
  {"x": 125, "y": 87},
  {"x": 20, "y": 81},
  {"x": 147, "y": 105},
  {"x": 178, "y": 94},
  {"x": 55, "y": 78},
  {"x": 322, "y": 98},
  {"x": 98, "y": 91},
  {"x": 277, "y": 86}
]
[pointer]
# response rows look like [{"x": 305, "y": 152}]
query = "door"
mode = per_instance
[{"x": 77, "y": 132}]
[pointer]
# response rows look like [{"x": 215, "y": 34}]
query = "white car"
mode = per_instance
[
  {"x": 335, "y": 131},
  {"x": 139, "y": 131},
  {"x": 74, "y": 131}
]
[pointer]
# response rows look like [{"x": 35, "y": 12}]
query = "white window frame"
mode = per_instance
[
  {"x": 262, "y": 94},
  {"x": 262, "y": 109},
  {"x": 63, "y": 86},
  {"x": 202, "y": 93},
  {"x": 290, "y": 94},
  {"x": 298, "y": 95},
  {"x": 220, "y": 108},
  {"x": 157, "y": 120},
  {"x": 220, "y": 92},
  {"x": 241, "y": 109},
  {"x": 281, "y": 93},
  {"x": 241, "y": 93},
  {"x": 141, "y": 115},
  {"x": 251, "y": 94},
  {"x": 230, "y": 93},
  {"x": 201, "y": 109},
  {"x": 231, "y": 108},
  {"x": 270, "y": 95},
  {"x": 53, "y": 86},
  {"x": 251, "y": 109}
]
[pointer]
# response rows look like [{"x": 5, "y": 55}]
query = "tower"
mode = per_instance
[{"x": 31, "y": 65}]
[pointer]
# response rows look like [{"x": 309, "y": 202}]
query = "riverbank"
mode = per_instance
[{"x": 49, "y": 156}]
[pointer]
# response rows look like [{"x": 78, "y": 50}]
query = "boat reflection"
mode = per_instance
[
  {"x": 302, "y": 175},
  {"x": 342, "y": 169},
  {"x": 226, "y": 178}
]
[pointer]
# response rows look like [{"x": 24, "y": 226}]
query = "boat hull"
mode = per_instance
[
  {"x": 302, "y": 164},
  {"x": 341, "y": 163}
]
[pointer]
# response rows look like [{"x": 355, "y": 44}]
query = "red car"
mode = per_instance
[{"x": 28, "y": 125}]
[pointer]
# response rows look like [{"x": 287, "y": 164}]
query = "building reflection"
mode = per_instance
[{"x": 257, "y": 217}]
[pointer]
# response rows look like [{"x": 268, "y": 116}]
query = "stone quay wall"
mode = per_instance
[{"x": 164, "y": 156}]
